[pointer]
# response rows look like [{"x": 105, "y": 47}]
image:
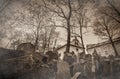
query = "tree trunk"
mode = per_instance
[
  {"x": 68, "y": 37},
  {"x": 111, "y": 40},
  {"x": 83, "y": 46},
  {"x": 113, "y": 45},
  {"x": 37, "y": 37},
  {"x": 68, "y": 26},
  {"x": 45, "y": 42},
  {"x": 54, "y": 44},
  {"x": 111, "y": 69},
  {"x": 44, "y": 47},
  {"x": 36, "y": 43}
]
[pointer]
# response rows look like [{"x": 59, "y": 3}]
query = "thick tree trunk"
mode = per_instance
[
  {"x": 83, "y": 46},
  {"x": 68, "y": 26},
  {"x": 68, "y": 37}
]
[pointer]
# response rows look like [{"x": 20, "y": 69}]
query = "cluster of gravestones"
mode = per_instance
[
  {"x": 35, "y": 65},
  {"x": 25, "y": 63},
  {"x": 110, "y": 68},
  {"x": 75, "y": 66},
  {"x": 24, "y": 60},
  {"x": 97, "y": 69},
  {"x": 13, "y": 62}
]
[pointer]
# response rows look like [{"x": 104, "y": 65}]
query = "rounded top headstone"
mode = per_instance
[{"x": 27, "y": 47}]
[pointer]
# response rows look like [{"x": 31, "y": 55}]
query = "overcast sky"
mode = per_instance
[{"x": 89, "y": 37}]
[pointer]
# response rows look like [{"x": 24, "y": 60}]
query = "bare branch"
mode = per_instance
[
  {"x": 53, "y": 10},
  {"x": 111, "y": 16},
  {"x": 113, "y": 6},
  {"x": 77, "y": 35},
  {"x": 4, "y": 5}
]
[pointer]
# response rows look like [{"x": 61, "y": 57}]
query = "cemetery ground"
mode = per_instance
[{"x": 18, "y": 65}]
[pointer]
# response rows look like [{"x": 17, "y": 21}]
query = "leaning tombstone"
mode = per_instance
[
  {"x": 78, "y": 67},
  {"x": 76, "y": 75}
]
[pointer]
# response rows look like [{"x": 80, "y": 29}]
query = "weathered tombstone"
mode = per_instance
[
  {"x": 39, "y": 59},
  {"x": 27, "y": 47},
  {"x": 88, "y": 56},
  {"x": 96, "y": 65},
  {"x": 116, "y": 65},
  {"x": 77, "y": 74},
  {"x": 78, "y": 67},
  {"x": 63, "y": 71},
  {"x": 52, "y": 55},
  {"x": 88, "y": 70},
  {"x": 116, "y": 68},
  {"x": 81, "y": 55},
  {"x": 41, "y": 72},
  {"x": 70, "y": 58},
  {"x": 12, "y": 62},
  {"x": 106, "y": 68}
]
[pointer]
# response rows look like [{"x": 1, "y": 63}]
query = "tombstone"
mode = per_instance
[
  {"x": 29, "y": 50},
  {"x": 96, "y": 70},
  {"x": 63, "y": 70},
  {"x": 82, "y": 55},
  {"x": 39, "y": 59},
  {"x": 116, "y": 65},
  {"x": 106, "y": 68},
  {"x": 70, "y": 58},
  {"x": 88, "y": 56},
  {"x": 78, "y": 67},
  {"x": 116, "y": 68},
  {"x": 48, "y": 72},
  {"x": 88, "y": 68},
  {"x": 41, "y": 72},
  {"x": 27, "y": 47},
  {"x": 12, "y": 62},
  {"x": 76, "y": 75},
  {"x": 52, "y": 55}
]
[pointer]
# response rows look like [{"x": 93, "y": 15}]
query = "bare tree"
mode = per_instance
[
  {"x": 37, "y": 15},
  {"x": 112, "y": 10},
  {"x": 107, "y": 22},
  {"x": 106, "y": 28},
  {"x": 43, "y": 30},
  {"x": 48, "y": 38},
  {"x": 4, "y": 4},
  {"x": 81, "y": 20},
  {"x": 63, "y": 9}
]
